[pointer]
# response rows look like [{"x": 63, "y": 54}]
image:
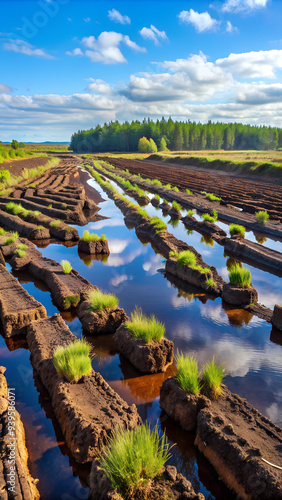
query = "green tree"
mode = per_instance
[
  {"x": 14, "y": 144},
  {"x": 21, "y": 145},
  {"x": 163, "y": 146}
]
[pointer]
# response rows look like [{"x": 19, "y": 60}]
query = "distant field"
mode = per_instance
[{"x": 56, "y": 148}]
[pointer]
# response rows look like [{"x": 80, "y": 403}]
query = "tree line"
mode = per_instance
[{"x": 176, "y": 136}]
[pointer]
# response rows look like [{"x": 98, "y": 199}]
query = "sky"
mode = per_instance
[{"x": 68, "y": 65}]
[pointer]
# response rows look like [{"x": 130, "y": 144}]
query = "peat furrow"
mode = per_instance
[
  {"x": 17, "y": 308},
  {"x": 15, "y": 479},
  {"x": 88, "y": 411},
  {"x": 255, "y": 254},
  {"x": 27, "y": 229}
]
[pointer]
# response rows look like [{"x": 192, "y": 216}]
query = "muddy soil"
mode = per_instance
[{"x": 16, "y": 166}]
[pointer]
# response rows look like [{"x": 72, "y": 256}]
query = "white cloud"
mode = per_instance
[
  {"x": 119, "y": 279},
  {"x": 243, "y": 5},
  {"x": 191, "y": 79},
  {"x": 100, "y": 87},
  {"x": 26, "y": 48},
  {"x": 5, "y": 89},
  {"x": 75, "y": 52},
  {"x": 252, "y": 64},
  {"x": 153, "y": 34},
  {"x": 201, "y": 21},
  {"x": 117, "y": 17},
  {"x": 258, "y": 94},
  {"x": 230, "y": 28},
  {"x": 87, "y": 19},
  {"x": 105, "y": 48}
]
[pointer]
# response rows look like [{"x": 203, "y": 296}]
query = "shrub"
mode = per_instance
[
  {"x": 190, "y": 212},
  {"x": 71, "y": 300},
  {"x": 92, "y": 237},
  {"x": 99, "y": 300},
  {"x": 237, "y": 229},
  {"x": 133, "y": 458},
  {"x": 55, "y": 223},
  {"x": 213, "y": 374},
  {"x": 176, "y": 206},
  {"x": 73, "y": 361},
  {"x": 158, "y": 224},
  {"x": 145, "y": 328},
  {"x": 239, "y": 276},
  {"x": 188, "y": 373},
  {"x": 262, "y": 217},
  {"x": 212, "y": 197},
  {"x": 210, "y": 283},
  {"x": 66, "y": 265}
]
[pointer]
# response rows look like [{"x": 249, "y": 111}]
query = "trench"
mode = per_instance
[{"x": 196, "y": 322}]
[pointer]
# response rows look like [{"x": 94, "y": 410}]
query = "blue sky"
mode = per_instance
[{"x": 69, "y": 64}]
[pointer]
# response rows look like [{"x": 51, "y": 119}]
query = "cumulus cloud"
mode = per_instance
[
  {"x": 190, "y": 79},
  {"x": 26, "y": 48},
  {"x": 5, "y": 89},
  {"x": 243, "y": 5},
  {"x": 117, "y": 17},
  {"x": 258, "y": 94},
  {"x": 153, "y": 34},
  {"x": 201, "y": 21},
  {"x": 252, "y": 64},
  {"x": 105, "y": 48},
  {"x": 100, "y": 87}
]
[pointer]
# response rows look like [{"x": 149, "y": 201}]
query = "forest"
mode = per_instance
[{"x": 176, "y": 136}]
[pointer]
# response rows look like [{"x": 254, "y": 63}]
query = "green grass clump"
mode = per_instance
[
  {"x": 71, "y": 300},
  {"x": 237, "y": 229},
  {"x": 55, "y": 223},
  {"x": 145, "y": 328},
  {"x": 186, "y": 258},
  {"x": 13, "y": 238},
  {"x": 168, "y": 186},
  {"x": 20, "y": 253},
  {"x": 158, "y": 224},
  {"x": 239, "y": 276},
  {"x": 133, "y": 458},
  {"x": 73, "y": 361},
  {"x": 143, "y": 212},
  {"x": 188, "y": 373},
  {"x": 262, "y": 217},
  {"x": 40, "y": 228},
  {"x": 175, "y": 188},
  {"x": 36, "y": 214},
  {"x": 156, "y": 182},
  {"x": 190, "y": 212},
  {"x": 98, "y": 300},
  {"x": 188, "y": 191},
  {"x": 157, "y": 197},
  {"x": 212, "y": 197},
  {"x": 210, "y": 283},
  {"x": 176, "y": 206},
  {"x": 165, "y": 202},
  {"x": 212, "y": 375},
  {"x": 66, "y": 265},
  {"x": 50, "y": 206},
  {"x": 210, "y": 218},
  {"x": 87, "y": 236},
  {"x": 63, "y": 206},
  {"x": 2, "y": 231}
]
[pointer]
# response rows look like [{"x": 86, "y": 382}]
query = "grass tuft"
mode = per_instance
[
  {"x": 98, "y": 300},
  {"x": 133, "y": 458},
  {"x": 213, "y": 374},
  {"x": 188, "y": 191},
  {"x": 210, "y": 218},
  {"x": 186, "y": 258},
  {"x": 158, "y": 224},
  {"x": 212, "y": 197},
  {"x": 87, "y": 236},
  {"x": 66, "y": 265},
  {"x": 176, "y": 206},
  {"x": 262, "y": 217},
  {"x": 190, "y": 212},
  {"x": 156, "y": 182},
  {"x": 55, "y": 223},
  {"x": 73, "y": 361},
  {"x": 71, "y": 300},
  {"x": 239, "y": 276},
  {"x": 237, "y": 229},
  {"x": 188, "y": 373},
  {"x": 145, "y": 328}
]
